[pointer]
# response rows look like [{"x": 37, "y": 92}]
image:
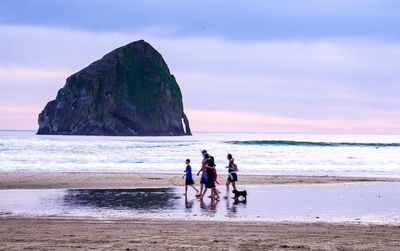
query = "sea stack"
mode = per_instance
[{"x": 129, "y": 92}]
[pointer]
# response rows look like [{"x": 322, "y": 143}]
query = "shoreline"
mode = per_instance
[
  {"x": 50, "y": 180},
  {"x": 167, "y": 234}
]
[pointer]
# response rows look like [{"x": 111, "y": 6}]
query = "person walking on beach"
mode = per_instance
[
  {"x": 189, "y": 179},
  {"x": 210, "y": 165},
  {"x": 203, "y": 171},
  {"x": 232, "y": 172}
]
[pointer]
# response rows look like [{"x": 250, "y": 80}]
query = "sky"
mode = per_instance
[{"x": 288, "y": 66}]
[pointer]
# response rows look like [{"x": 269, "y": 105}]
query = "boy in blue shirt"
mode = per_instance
[{"x": 189, "y": 178}]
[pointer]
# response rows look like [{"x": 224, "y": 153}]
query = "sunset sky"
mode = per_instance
[{"x": 288, "y": 66}]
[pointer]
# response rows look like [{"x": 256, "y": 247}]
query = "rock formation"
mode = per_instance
[{"x": 129, "y": 92}]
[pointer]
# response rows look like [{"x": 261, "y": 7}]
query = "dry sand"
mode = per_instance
[
  {"x": 57, "y": 233},
  {"x": 67, "y": 234},
  {"x": 15, "y": 180}
]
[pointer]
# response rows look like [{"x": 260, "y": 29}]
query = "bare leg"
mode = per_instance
[
  {"x": 185, "y": 191},
  {"x": 216, "y": 193},
  {"x": 201, "y": 189},
  {"x": 234, "y": 188},
  {"x": 197, "y": 190},
  {"x": 234, "y": 185},
  {"x": 212, "y": 193},
  {"x": 227, "y": 184},
  {"x": 204, "y": 192}
]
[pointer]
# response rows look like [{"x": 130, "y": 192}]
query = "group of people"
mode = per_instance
[{"x": 208, "y": 178}]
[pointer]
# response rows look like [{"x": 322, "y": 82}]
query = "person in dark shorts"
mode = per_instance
[
  {"x": 232, "y": 172},
  {"x": 189, "y": 178},
  {"x": 210, "y": 165}
]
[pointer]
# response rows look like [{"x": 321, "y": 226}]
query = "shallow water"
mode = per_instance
[{"x": 368, "y": 202}]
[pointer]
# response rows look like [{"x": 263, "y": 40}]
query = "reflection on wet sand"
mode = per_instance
[
  {"x": 209, "y": 208},
  {"x": 189, "y": 204},
  {"x": 231, "y": 207},
  {"x": 123, "y": 199},
  {"x": 145, "y": 200},
  {"x": 376, "y": 202}
]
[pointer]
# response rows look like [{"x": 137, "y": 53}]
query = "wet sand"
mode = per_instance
[
  {"x": 62, "y": 233},
  {"x": 28, "y": 180},
  {"x": 67, "y": 234},
  {"x": 373, "y": 202}
]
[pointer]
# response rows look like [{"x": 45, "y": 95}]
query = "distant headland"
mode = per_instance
[{"x": 129, "y": 92}]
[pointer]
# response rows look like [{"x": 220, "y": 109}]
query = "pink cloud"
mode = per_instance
[
  {"x": 228, "y": 121},
  {"x": 18, "y": 117},
  {"x": 25, "y": 118}
]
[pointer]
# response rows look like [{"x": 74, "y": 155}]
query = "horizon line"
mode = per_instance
[{"x": 215, "y": 132}]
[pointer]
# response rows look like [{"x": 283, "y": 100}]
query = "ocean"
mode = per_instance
[{"x": 274, "y": 154}]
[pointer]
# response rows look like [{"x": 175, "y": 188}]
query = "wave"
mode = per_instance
[{"x": 311, "y": 143}]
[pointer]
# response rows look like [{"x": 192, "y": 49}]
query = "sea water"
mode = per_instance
[{"x": 291, "y": 154}]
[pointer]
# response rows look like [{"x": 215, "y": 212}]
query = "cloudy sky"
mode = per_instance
[{"x": 287, "y": 66}]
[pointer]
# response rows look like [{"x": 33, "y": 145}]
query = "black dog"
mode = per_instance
[{"x": 240, "y": 196}]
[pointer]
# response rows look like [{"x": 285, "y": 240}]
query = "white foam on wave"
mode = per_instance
[{"x": 25, "y": 151}]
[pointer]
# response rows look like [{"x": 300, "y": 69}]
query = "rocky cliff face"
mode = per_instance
[{"x": 128, "y": 92}]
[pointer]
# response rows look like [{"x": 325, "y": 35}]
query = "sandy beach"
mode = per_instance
[
  {"x": 41, "y": 180},
  {"x": 67, "y": 234}
]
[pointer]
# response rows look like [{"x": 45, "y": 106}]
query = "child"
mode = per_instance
[{"x": 189, "y": 179}]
